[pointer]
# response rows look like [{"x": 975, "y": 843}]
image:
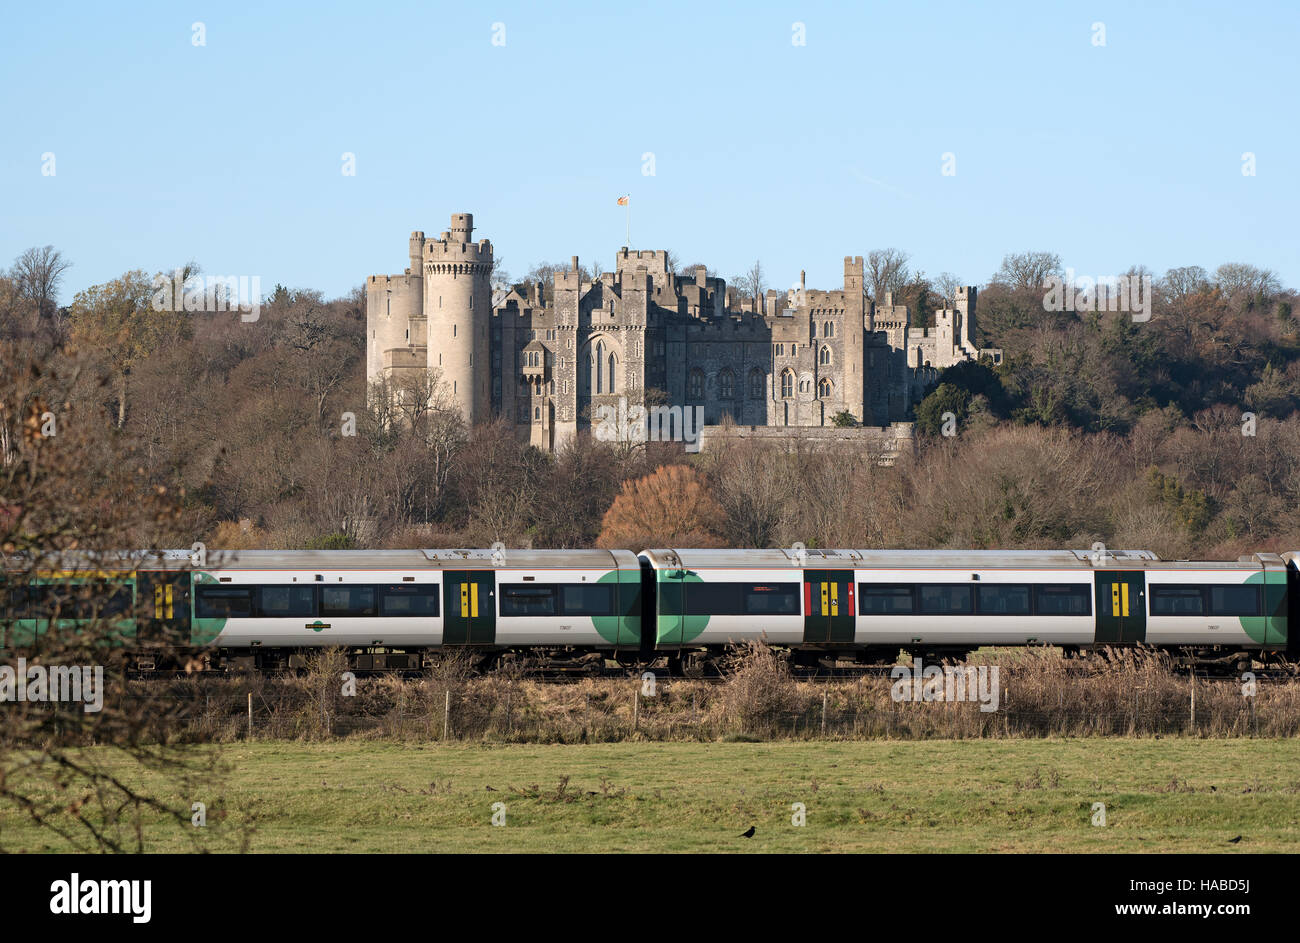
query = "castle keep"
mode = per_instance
[{"x": 789, "y": 361}]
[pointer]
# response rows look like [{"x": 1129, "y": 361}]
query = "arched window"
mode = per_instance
[
  {"x": 611, "y": 373},
  {"x": 824, "y": 357},
  {"x": 697, "y": 384},
  {"x": 805, "y": 385},
  {"x": 824, "y": 387},
  {"x": 787, "y": 383},
  {"x": 600, "y": 367},
  {"x": 756, "y": 384},
  {"x": 828, "y": 329},
  {"x": 726, "y": 384},
  {"x": 537, "y": 412}
]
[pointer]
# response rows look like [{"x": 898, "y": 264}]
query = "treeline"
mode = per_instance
[
  {"x": 1229, "y": 339},
  {"x": 1096, "y": 428}
]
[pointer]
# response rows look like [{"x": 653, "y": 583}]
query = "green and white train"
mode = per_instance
[{"x": 396, "y": 608}]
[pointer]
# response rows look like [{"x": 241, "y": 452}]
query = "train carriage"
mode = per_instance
[
  {"x": 851, "y": 602},
  {"x": 389, "y": 608}
]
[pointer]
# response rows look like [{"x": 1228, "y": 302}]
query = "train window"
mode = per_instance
[
  {"x": 347, "y": 601},
  {"x": 274, "y": 602},
  {"x": 27, "y": 602},
  {"x": 587, "y": 599},
  {"x": 517, "y": 600},
  {"x": 83, "y": 601},
  {"x": 410, "y": 600},
  {"x": 772, "y": 599},
  {"x": 713, "y": 599},
  {"x": 946, "y": 599},
  {"x": 742, "y": 599},
  {"x": 1002, "y": 599},
  {"x": 1172, "y": 600},
  {"x": 1235, "y": 601},
  {"x": 119, "y": 602},
  {"x": 1063, "y": 599},
  {"x": 877, "y": 599},
  {"x": 223, "y": 602}
]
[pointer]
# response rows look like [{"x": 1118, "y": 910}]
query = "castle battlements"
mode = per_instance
[{"x": 784, "y": 362}]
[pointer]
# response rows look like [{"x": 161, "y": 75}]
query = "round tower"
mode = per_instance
[{"x": 458, "y": 305}]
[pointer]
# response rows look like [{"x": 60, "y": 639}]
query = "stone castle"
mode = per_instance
[{"x": 783, "y": 365}]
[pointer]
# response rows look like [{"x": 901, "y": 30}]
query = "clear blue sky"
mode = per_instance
[{"x": 231, "y": 153}]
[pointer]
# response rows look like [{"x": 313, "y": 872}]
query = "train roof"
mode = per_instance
[
  {"x": 512, "y": 559},
  {"x": 216, "y": 559},
  {"x": 938, "y": 559},
  {"x": 467, "y": 559}
]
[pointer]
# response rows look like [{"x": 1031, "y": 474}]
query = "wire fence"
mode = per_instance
[{"x": 512, "y": 711}]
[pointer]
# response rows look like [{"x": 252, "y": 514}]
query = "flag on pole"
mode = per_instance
[{"x": 622, "y": 201}]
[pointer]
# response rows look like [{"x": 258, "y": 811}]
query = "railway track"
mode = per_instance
[{"x": 662, "y": 674}]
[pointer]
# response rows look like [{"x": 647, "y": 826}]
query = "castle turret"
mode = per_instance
[
  {"x": 394, "y": 318},
  {"x": 458, "y": 306},
  {"x": 416, "y": 253}
]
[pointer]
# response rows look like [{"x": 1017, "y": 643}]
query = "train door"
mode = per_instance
[
  {"x": 469, "y": 607},
  {"x": 1121, "y": 606},
  {"x": 163, "y": 612},
  {"x": 828, "y": 606},
  {"x": 672, "y": 606}
]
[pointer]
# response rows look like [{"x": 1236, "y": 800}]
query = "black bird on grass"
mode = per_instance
[
  {"x": 749, "y": 833},
  {"x": 1233, "y": 841}
]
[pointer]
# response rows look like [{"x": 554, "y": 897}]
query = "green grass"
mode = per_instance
[{"x": 1014, "y": 795}]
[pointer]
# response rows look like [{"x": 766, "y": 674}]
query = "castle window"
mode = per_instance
[
  {"x": 824, "y": 357},
  {"x": 794, "y": 350},
  {"x": 824, "y": 388},
  {"x": 828, "y": 329},
  {"x": 611, "y": 373},
  {"x": 755, "y": 384},
  {"x": 537, "y": 412},
  {"x": 726, "y": 385},
  {"x": 805, "y": 385},
  {"x": 779, "y": 349},
  {"x": 787, "y": 383},
  {"x": 696, "y": 390},
  {"x": 599, "y": 362},
  {"x": 453, "y": 330}
]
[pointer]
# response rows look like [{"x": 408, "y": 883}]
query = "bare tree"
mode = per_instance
[
  {"x": 1238, "y": 279},
  {"x": 500, "y": 277},
  {"x": 946, "y": 284},
  {"x": 752, "y": 283},
  {"x": 886, "y": 272},
  {"x": 1181, "y": 283},
  {"x": 1027, "y": 271},
  {"x": 38, "y": 274}
]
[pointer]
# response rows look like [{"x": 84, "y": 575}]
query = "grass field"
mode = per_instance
[{"x": 1027, "y": 795}]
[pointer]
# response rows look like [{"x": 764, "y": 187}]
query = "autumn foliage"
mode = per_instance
[{"x": 671, "y": 507}]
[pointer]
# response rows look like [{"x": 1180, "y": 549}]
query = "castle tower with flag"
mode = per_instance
[{"x": 548, "y": 357}]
